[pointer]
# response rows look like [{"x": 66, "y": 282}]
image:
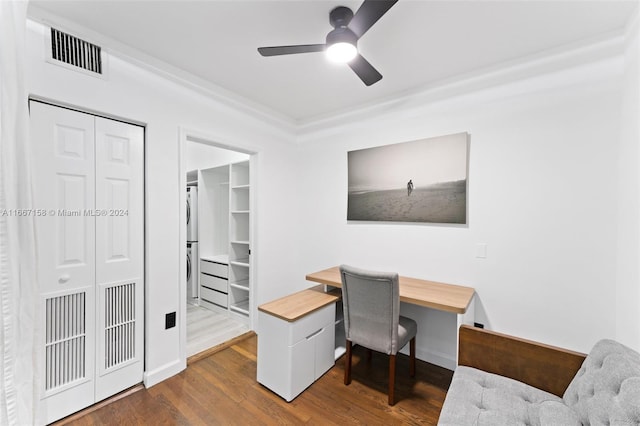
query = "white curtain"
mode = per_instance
[{"x": 18, "y": 296}]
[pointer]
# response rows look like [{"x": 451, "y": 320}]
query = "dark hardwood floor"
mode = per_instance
[{"x": 222, "y": 389}]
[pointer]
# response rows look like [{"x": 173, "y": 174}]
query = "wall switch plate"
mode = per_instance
[
  {"x": 481, "y": 251},
  {"x": 169, "y": 320}
]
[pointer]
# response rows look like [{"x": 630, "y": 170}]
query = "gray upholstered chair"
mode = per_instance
[{"x": 372, "y": 318}]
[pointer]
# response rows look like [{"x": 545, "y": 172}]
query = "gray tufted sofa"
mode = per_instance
[{"x": 605, "y": 389}]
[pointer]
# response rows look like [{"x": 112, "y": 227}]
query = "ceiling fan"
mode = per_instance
[{"x": 341, "y": 42}]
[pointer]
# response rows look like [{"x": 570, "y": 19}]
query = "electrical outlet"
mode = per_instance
[
  {"x": 478, "y": 325},
  {"x": 169, "y": 320}
]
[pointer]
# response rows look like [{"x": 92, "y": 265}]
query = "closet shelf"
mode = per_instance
[
  {"x": 240, "y": 285},
  {"x": 224, "y": 205},
  {"x": 241, "y": 307}
]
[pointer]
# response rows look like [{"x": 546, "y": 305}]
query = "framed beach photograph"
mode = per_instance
[{"x": 418, "y": 181}]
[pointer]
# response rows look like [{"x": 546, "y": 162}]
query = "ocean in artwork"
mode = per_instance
[{"x": 444, "y": 202}]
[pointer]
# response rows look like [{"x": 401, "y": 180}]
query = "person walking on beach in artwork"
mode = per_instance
[{"x": 409, "y": 187}]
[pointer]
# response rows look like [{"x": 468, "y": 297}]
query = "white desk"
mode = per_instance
[
  {"x": 296, "y": 337},
  {"x": 300, "y": 336},
  {"x": 441, "y": 296},
  {"x": 456, "y": 299}
]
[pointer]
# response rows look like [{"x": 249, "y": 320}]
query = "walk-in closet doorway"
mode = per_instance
[{"x": 217, "y": 228}]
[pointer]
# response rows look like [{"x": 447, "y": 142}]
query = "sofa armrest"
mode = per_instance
[{"x": 542, "y": 366}]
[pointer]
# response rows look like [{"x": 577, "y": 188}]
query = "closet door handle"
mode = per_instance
[{"x": 64, "y": 278}]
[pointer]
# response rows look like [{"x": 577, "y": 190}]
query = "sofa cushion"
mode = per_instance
[
  {"x": 479, "y": 398},
  {"x": 557, "y": 413},
  {"x": 606, "y": 389}
]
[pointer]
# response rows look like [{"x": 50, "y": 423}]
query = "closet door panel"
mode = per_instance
[
  {"x": 119, "y": 201},
  {"x": 63, "y": 143},
  {"x": 64, "y": 185},
  {"x": 119, "y": 255}
]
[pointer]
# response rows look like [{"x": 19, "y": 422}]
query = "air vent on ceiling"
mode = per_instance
[{"x": 76, "y": 52}]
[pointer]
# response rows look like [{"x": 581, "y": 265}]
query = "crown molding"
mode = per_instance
[{"x": 589, "y": 51}]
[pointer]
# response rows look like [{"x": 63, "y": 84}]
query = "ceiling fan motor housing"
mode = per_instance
[
  {"x": 340, "y": 16},
  {"x": 341, "y": 35}
]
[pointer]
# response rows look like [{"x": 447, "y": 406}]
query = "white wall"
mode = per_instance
[
  {"x": 166, "y": 108},
  {"x": 542, "y": 195}
]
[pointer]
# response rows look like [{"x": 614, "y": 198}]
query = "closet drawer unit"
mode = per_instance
[
  {"x": 213, "y": 268},
  {"x": 215, "y": 283},
  {"x": 220, "y": 299}
]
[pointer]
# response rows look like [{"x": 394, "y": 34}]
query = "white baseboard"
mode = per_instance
[
  {"x": 437, "y": 358},
  {"x": 434, "y": 357},
  {"x": 154, "y": 377}
]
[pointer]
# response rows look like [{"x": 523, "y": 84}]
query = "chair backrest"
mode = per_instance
[{"x": 371, "y": 302}]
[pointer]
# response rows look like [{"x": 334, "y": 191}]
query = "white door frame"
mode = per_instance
[{"x": 190, "y": 135}]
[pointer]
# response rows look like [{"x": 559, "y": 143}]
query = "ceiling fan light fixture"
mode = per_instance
[
  {"x": 341, "y": 45},
  {"x": 342, "y": 42},
  {"x": 341, "y": 52}
]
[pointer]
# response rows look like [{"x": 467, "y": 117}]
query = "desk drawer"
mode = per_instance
[
  {"x": 309, "y": 324},
  {"x": 215, "y": 283},
  {"x": 212, "y": 268},
  {"x": 212, "y": 296}
]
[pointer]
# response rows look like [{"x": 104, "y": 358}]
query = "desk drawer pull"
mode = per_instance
[{"x": 314, "y": 334}]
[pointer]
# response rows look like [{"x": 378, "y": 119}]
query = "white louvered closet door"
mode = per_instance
[
  {"x": 64, "y": 181},
  {"x": 119, "y": 255},
  {"x": 88, "y": 192}
]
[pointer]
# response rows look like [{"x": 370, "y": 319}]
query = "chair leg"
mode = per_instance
[
  {"x": 392, "y": 379},
  {"x": 347, "y": 364},
  {"x": 412, "y": 357}
]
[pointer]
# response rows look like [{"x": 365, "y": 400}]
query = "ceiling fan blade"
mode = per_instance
[
  {"x": 368, "y": 14},
  {"x": 367, "y": 73},
  {"x": 290, "y": 50}
]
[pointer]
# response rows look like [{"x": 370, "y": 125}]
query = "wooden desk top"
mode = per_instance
[
  {"x": 441, "y": 296},
  {"x": 295, "y": 306}
]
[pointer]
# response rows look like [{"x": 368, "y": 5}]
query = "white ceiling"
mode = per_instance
[{"x": 415, "y": 45}]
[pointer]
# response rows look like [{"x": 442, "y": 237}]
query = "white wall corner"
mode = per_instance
[
  {"x": 627, "y": 278},
  {"x": 632, "y": 26}
]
